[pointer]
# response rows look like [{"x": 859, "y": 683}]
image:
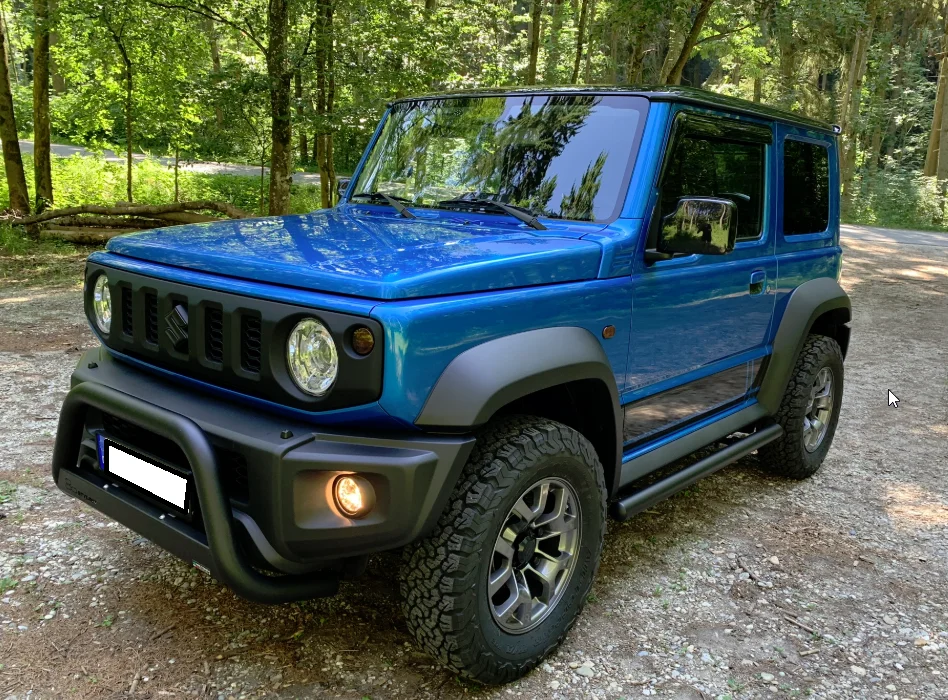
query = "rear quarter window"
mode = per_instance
[{"x": 805, "y": 187}]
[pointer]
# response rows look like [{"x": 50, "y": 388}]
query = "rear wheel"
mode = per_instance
[
  {"x": 500, "y": 581},
  {"x": 808, "y": 412}
]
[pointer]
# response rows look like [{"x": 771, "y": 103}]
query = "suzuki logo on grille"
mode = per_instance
[{"x": 176, "y": 327}]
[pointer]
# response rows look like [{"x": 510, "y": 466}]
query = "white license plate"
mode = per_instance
[{"x": 160, "y": 482}]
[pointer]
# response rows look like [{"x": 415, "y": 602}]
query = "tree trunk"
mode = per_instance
[
  {"x": 177, "y": 160},
  {"x": 536, "y": 15},
  {"x": 211, "y": 30},
  {"x": 851, "y": 111},
  {"x": 758, "y": 88},
  {"x": 587, "y": 67},
  {"x": 674, "y": 75},
  {"x": 281, "y": 135},
  {"x": 580, "y": 39},
  {"x": 330, "y": 165},
  {"x": 934, "y": 135},
  {"x": 553, "y": 55},
  {"x": 42, "y": 169},
  {"x": 128, "y": 129},
  {"x": 298, "y": 91},
  {"x": 12, "y": 161}
]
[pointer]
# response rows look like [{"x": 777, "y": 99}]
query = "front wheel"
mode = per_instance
[
  {"x": 500, "y": 581},
  {"x": 808, "y": 412}
]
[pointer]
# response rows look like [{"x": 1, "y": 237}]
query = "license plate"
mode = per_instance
[{"x": 157, "y": 481}]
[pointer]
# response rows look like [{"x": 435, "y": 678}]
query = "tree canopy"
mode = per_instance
[{"x": 301, "y": 83}]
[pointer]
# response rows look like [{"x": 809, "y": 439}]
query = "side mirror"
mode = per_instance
[
  {"x": 342, "y": 184},
  {"x": 705, "y": 225}
]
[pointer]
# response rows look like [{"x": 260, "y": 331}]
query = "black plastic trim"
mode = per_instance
[
  {"x": 220, "y": 554},
  {"x": 806, "y": 304},
  {"x": 636, "y": 502},
  {"x": 685, "y": 445},
  {"x": 359, "y": 380},
  {"x": 496, "y": 373}
]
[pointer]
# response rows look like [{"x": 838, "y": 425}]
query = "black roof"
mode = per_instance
[{"x": 670, "y": 93}]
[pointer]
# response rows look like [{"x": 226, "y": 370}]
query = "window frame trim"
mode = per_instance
[
  {"x": 679, "y": 125},
  {"x": 782, "y": 174}
]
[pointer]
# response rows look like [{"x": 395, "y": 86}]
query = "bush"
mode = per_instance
[
  {"x": 897, "y": 199},
  {"x": 93, "y": 180}
]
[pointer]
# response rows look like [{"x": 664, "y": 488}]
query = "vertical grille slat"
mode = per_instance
[
  {"x": 214, "y": 335},
  {"x": 128, "y": 319},
  {"x": 250, "y": 343},
  {"x": 151, "y": 317}
]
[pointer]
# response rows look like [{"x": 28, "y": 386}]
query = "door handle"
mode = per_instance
[{"x": 757, "y": 280}]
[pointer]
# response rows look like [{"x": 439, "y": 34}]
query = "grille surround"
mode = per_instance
[{"x": 262, "y": 371}]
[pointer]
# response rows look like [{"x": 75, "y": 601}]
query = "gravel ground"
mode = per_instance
[{"x": 746, "y": 586}]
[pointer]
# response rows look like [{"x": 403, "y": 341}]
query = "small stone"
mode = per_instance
[
  {"x": 858, "y": 670},
  {"x": 775, "y": 561},
  {"x": 27, "y": 579},
  {"x": 548, "y": 668},
  {"x": 585, "y": 671},
  {"x": 921, "y": 642},
  {"x": 554, "y": 685},
  {"x": 890, "y": 619},
  {"x": 767, "y": 677}
]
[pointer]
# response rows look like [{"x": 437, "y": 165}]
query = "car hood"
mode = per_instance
[{"x": 348, "y": 251}]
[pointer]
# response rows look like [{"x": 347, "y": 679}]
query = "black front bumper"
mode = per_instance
[{"x": 283, "y": 519}]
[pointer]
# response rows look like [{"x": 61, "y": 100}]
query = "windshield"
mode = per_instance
[{"x": 558, "y": 156}]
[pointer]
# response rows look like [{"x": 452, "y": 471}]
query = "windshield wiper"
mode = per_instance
[
  {"x": 399, "y": 207},
  {"x": 516, "y": 212}
]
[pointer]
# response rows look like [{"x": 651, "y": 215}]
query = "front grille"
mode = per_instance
[
  {"x": 151, "y": 317},
  {"x": 228, "y": 340},
  {"x": 250, "y": 344},
  {"x": 214, "y": 335},
  {"x": 128, "y": 320}
]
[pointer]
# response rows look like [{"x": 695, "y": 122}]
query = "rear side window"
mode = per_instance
[
  {"x": 700, "y": 166},
  {"x": 805, "y": 187}
]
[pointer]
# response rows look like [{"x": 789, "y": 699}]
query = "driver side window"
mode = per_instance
[{"x": 704, "y": 166}]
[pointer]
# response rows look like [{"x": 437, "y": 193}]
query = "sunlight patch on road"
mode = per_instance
[{"x": 912, "y": 507}]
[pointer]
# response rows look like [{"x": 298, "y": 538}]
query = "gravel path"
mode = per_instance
[{"x": 745, "y": 586}]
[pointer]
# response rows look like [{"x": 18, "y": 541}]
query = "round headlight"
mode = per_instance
[
  {"x": 102, "y": 303},
  {"x": 312, "y": 357}
]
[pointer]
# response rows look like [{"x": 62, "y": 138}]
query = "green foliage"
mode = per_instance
[
  {"x": 898, "y": 198},
  {"x": 93, "y": 180}
]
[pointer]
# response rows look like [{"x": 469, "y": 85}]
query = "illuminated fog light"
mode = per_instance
[
  {"x": 354, "y": 496},
  {"x": 102, "y": 303}
]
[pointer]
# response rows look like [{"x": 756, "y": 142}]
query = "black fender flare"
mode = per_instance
[
  {"x": 485, "y": 378},
  {"x": 806, "y": 304}
]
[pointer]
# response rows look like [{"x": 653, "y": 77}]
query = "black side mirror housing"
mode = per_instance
[
  {"x": 342, "y": 184},
  {"x": 703, "y": 225}
]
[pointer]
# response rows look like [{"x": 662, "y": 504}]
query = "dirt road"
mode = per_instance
[{"x": 744, "y": 587}]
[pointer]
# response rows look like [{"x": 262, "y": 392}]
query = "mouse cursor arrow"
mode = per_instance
[{"x": 893, "y": 399}]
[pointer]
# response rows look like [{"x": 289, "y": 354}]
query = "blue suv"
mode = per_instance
[{"x": 529, "y": 308}]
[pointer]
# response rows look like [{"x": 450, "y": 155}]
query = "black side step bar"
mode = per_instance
[{"x": 636, "y": 502}]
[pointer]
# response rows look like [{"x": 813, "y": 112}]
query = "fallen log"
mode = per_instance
[
  {"x": 108, "y": 222},
  {"x": 186, "y": 217},
  {"x": 87, "y": 235},
  {"x": 134, "y": 210}
]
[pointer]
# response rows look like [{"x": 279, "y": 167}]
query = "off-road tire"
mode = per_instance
[
  {"x": 787, "y": 456},
  {"x": 443, "y": 579}
]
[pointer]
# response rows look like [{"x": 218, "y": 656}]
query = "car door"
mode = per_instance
[{"x": 700, "y": 322}]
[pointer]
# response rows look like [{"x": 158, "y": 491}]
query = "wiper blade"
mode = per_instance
[
  {"x": 399, "y": 207},
  {"x": 516, "y": 212}
]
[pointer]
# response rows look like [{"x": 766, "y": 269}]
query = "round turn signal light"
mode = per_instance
[{"x": 362, "y": 340}]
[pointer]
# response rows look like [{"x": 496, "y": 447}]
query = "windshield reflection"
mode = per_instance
[{"x": 556, "y": 156}]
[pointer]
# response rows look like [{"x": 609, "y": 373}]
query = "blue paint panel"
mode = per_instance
[
  {"x": 367, "y": 252},
  {"x": 695, "y": 315},
  {"x": 423, "y": 336}
]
